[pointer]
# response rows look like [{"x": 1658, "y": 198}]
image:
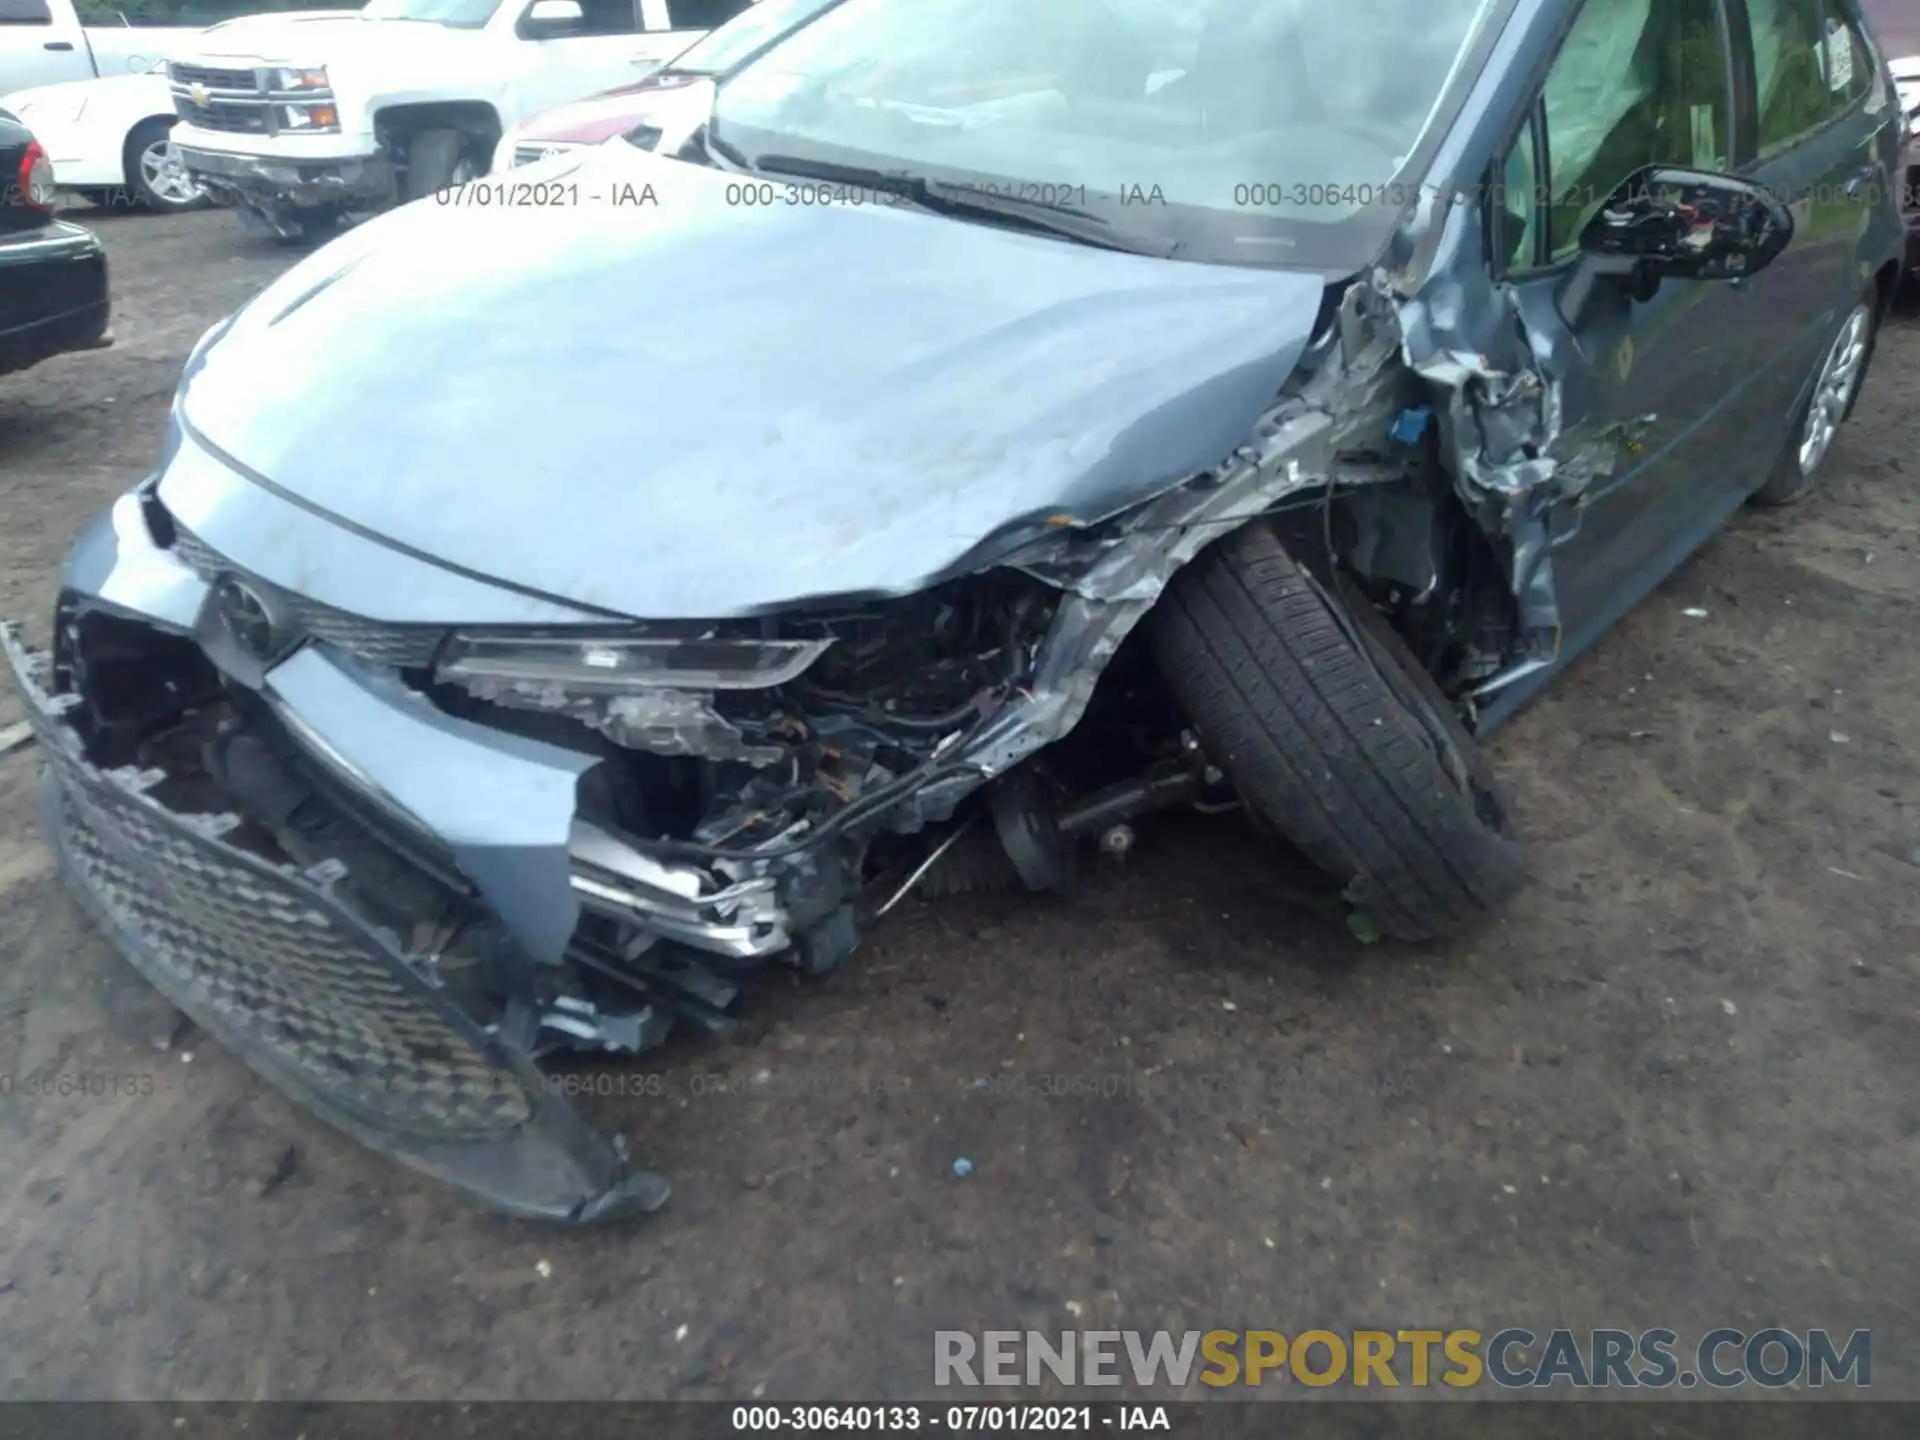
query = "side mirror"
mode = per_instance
[
  {"x": 550, "y": 19},
  {"x": 1690, "y": 225},
  {"x": 1666, "y": 223}
]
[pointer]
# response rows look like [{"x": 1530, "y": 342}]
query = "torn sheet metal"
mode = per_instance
[
  {"x": 1521, "y": 472},
  {"x": 1353, "y": 388}
]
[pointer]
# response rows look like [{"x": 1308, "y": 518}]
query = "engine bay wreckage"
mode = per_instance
[{"x": 405, "y": 853}]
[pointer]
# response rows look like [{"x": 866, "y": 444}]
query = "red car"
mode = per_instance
[{"x": 672, "y": 101}]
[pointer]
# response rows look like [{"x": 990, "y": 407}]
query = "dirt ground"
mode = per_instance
[{"x": 1678, "y": 1084}]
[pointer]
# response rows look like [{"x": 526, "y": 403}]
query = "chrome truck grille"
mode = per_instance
[
  {"x": 244, "y": 81},
  {"x": 236, "y": 101},
  {"x": 268, "y": 959}
]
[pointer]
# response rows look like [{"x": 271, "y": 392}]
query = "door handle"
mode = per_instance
[
  {"x": 1860, "y": 179},
  {"x": 58, "y": 45}
]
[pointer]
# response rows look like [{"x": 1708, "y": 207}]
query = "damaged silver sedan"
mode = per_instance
[{"x": 1000, "y": 422}]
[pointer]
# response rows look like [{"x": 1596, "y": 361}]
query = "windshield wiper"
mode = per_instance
[
  {"x": 946, "y": 197},
  {"x": 716, "y": 146}
]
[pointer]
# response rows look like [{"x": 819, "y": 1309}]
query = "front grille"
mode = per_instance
[
  {"x": 235, "y": 117},
  {"x": 532, "y": 154},
  {"x": 265, "y": 956},
  {"x": 275, "y": 965},
  {"x": 378, "y": 642},
  {"x": 213, "y": 79},
  {"x": 236, "y": 101}
]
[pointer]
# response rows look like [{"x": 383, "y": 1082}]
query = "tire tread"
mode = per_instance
[{"x": 1299, "y": 718}]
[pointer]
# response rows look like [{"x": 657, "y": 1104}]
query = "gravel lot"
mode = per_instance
[{"x": 1679, "y": 1083}]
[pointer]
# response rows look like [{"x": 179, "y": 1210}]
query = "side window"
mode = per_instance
[
  {"x": 609, "y": 17},
  {"x": 702, "y": 14},
  {"x": 1808, "y": 68},
  {"x": 1636, "y": 83},
  {"x": 25, "y": 12},
  {"x": 1517, "y": 207},
  {"x": 1849, "y": 63}
]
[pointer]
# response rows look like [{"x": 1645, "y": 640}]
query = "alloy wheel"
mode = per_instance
[
  {"x": 166, "y": 177},
  {"x": 1833, "y": 391}
]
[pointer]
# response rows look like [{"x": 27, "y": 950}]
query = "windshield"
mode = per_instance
[
  {"x": 1247, "y": 131},
  {"x": 457, "y": 14},
  {"x": 741, "y": 36}
]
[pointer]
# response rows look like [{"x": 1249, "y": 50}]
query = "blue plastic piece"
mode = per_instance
[{"x": 1409, "y": 427}]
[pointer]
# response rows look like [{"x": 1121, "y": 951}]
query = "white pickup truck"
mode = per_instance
[
  {"x": 306, "y": 121},
  {"x": 42, "y": 42}
]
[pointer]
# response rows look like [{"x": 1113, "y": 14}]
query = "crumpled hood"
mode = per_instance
[{"x": 683, "y": 407}]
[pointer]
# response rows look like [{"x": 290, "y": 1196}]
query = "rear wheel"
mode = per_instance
[
  {"x": 1835, "y": 387},
  {"x": 155, "y": 178},
  {"x": 1335, "y": 736}
]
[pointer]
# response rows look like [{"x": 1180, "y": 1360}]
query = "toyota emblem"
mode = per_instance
[{"x": 248, "y": 620}]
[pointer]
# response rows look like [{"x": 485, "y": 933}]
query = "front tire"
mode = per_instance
[
  {"x": 438, "y": 160},
  {"x": 1332, "y": 737},
  {"x": 1836, "y": 385},
  {"x": 154, "y": 178}
]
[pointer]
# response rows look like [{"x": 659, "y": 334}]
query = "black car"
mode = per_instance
[{"x": 53, "y": 275}]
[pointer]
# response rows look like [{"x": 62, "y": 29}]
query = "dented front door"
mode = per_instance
[{"x": 1649, "y": 460}]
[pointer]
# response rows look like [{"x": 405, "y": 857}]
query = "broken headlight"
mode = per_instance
[{"x": 619, "y": 665}]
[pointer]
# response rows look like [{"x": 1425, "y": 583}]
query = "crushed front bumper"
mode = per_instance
[
  {"x": 269, "y": 182},
  {"x": 272, "y": 961}
]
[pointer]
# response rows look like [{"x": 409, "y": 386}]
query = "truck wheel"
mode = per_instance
[
  {"x": 438, "y": 160},
  {"x": 1336, "y": 737},
  {"x": 154, "y": 177}
]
